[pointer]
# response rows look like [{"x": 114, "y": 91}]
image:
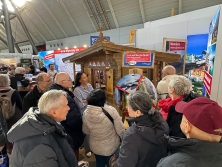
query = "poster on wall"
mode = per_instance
[
  {"x": 55, "y": 57},
  {"x": 196, "y": 60},
  {"x": 176, "y": 46},
  {"x": 211, "y": 51},
  {"x": 138, "y": 59}
]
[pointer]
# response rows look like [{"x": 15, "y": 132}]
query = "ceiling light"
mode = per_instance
[
  {"x": 58, "y": 48},
  {"x": 84, "y": 46},
  {"x": 75, "y": 46},
  {"x": 19, "y": 3},
  {"x": 66, "y": 47}
]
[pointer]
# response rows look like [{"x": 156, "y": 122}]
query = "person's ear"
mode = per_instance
[
  {"x": 171, "y": 90},
  {"x": 138, "y": 113},
  {"x": 53, "y": 113},
  {"x": 188, "y": 127}
]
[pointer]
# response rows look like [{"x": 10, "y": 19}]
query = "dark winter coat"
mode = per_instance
[
  {"x": 192, "y": 153},
  {"x": 40, "y": 141},
  {"x": 21, "y": 78},
  {"x": 174, "y": 118},
  {"x": 24, "y": 82},
  {"x": 3, "y": 130},
  {"x": 31, "y": 99},
  {"x": 73, "y": 122},
  {"x": 140, "y": 145}
]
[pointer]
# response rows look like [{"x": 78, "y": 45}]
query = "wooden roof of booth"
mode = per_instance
[{"x": 106, "y": 47}]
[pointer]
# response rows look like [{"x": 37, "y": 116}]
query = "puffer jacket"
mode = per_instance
[{"x": 104, "y": 137}]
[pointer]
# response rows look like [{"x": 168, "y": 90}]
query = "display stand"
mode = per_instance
[{"x": 107, "y": 57}]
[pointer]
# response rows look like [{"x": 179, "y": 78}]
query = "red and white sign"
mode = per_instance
[
  {"x": 49, "y": 56},
  {"x": 208, "y": 82},
  {"x": 177, "y": 46},
  {"x": 138, "y": 57},
  {"x": 69, "y": 50}
]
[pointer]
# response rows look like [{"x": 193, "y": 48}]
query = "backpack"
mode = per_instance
[
  {"x": 8, "y": 110},
  {"x": 3, "y": 129}
]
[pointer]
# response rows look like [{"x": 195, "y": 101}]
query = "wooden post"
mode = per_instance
[{"x": 155, "y": 74}]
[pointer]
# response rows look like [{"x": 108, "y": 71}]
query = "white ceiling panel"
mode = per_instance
[{"x": 50, "y": 19}]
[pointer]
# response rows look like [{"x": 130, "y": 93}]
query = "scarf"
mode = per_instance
[{"x": 165, "y": 104}]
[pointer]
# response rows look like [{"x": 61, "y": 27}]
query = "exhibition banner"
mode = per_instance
[
  {"x": 138, "y": 59},
  {"x": 196, "y": 60},
  {"x": 176, "y": 46},
  {"x": 211, "y": 51},
  {"x": 94, "y": 38},
  {"x": 55, "y": 57}
]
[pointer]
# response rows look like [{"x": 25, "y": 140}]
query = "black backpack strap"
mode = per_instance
[
  {"x": 110, "y": 118},
  {"x": 108, "y": 115}
]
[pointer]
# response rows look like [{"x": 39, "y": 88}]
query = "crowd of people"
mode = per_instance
[{"x": 50, "y": 123}]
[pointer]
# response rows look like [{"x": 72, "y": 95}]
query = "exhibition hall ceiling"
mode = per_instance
[{"x": 49, "y": 20}]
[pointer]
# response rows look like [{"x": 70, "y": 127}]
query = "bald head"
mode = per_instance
[
  {"x": 168, "y": 70},
  {"x": 63, "y": 79}
]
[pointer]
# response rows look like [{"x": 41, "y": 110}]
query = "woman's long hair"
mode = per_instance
[{"x": 78, "y": 77}]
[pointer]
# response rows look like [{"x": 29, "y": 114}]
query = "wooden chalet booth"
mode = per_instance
[{"x": 103, "y": 63}]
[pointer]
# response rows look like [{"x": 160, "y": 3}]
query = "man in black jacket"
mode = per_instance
[
  {"x": 32, "y": 97},
  {"x": 202, "y": 125},
  {"x": 38, "y": 137},
  {"x": 19, "y": 82},
  {"x": 73, "y": 122}
]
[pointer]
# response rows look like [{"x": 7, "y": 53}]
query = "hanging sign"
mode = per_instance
[
  {"x": 140, "y": 59},
  {"x": 94, "y": 38},
  {"x": 132, "y": 35}
]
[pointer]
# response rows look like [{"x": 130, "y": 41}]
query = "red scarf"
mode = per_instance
[{"x": 165, "y": 104}]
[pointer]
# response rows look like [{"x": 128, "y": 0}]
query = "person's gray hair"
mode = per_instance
[
  {"x": 180, "y": 84},
  {"x": 140, "y": 101},
  {"x": 4, "y": 80},
  {"x": 49, "y": 100},
  {"x": 18, "y": 70}
]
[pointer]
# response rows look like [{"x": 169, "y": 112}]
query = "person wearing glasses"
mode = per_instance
[
  {"x": 73, "y": 122},
  {"x": 31, "y": 99}
]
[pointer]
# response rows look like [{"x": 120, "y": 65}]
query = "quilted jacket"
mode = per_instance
[{"x": 104, "y": 136}]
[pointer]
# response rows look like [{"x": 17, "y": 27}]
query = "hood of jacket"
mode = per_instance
[
  {"x": 60, "y": 87},
  {"x": 193, "y": 147},
  {"x": 33, "y": 123},
  {"x": 152, "y": 131}
]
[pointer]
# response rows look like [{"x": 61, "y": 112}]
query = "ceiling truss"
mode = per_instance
[
  {"x": 37, "y": 15},
  {"x": 113, "y": 13},
  {"x": 47, "y": 8},
  {"x": 35, "y": 27},
  {"x": 88, "y": 14},
  {"x": 70, "y": 17},
  {"x": 142, "y": 11}
]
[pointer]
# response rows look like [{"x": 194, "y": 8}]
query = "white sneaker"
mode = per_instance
[
  {"x": 83, "y": 164},
  {"x": 88, "y": 154}
]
